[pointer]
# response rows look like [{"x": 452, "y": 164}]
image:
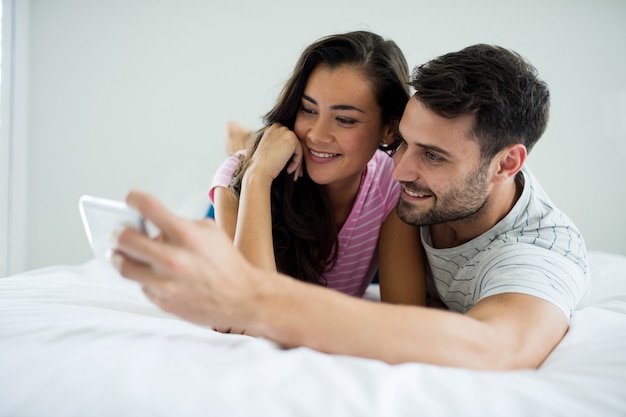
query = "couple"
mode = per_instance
[{"x": 509, "y": 267}]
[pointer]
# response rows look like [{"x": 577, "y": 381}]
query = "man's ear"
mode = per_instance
[
  {"x": 391, "y": 132},
  {"x": 510, "y": 161}
]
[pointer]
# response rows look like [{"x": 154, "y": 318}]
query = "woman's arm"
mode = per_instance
[
  {"x": 249, "y": 221},
  {"x": 253, "y": 232},
  {"x": 402, "y": 272},
  {"x": 226, "y": 208}
]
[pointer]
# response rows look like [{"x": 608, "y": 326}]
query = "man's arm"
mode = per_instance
[
  {"x": 194, "y": 271},
  {"x": 508, "y": 331}
]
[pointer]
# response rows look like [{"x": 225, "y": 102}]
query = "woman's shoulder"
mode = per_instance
[
  {"x": 224, "y": 173},
  {"x": 230, "y": 164},
  {"x": 380, "y": 167}
]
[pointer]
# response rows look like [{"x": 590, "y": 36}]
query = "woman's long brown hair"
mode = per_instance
[{"x": 304, "y": 230}]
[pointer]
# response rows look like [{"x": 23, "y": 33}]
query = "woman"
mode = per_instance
[{"x": 313, "y": 197}]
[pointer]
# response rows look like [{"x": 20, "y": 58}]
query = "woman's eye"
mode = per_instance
[
  {"x": 306, "y": 110},
  {"x": 346, "y": 121}
]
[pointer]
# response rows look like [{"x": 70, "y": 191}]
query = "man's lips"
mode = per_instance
[{"x": 416, "y": 194}]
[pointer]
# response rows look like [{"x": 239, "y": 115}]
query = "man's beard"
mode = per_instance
[{"x": 464, "y": 201}]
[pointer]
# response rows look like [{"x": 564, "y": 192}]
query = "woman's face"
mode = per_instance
[{"x": 339, "y": 124}]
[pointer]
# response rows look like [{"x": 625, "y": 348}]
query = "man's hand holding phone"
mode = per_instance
[{"x": 101, "y": 217}]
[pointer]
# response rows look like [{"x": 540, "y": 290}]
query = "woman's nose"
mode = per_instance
[{"x": 320, "y": 131}]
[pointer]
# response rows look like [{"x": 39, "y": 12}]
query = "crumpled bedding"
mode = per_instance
[{"x": 79, "y": 340}]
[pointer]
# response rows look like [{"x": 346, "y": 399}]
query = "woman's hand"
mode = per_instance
[{"x": 279, "y": 147}]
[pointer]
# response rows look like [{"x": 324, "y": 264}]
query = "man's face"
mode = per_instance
[{"x": 439, "y": 168}]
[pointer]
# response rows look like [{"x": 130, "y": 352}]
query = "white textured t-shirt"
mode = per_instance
[{"x": 535, "y": 249}]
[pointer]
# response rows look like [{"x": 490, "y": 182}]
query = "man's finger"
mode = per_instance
[
  {"x": 156, "y": 254},
  {"x": 134, "y": 270},
  {"x": 152, "y": 210}
]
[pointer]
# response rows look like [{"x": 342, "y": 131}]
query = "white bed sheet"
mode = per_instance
[{"x": 81, "y": 341}]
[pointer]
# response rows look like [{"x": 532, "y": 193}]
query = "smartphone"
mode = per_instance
[{"x": 101, "y": 217}]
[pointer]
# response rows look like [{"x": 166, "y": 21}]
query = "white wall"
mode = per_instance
[
  {"x": 13, "y": 135},
  {"x": 135, "y": 94}
]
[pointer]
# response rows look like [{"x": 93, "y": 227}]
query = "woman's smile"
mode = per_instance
[{"x": 321, "y": 157}]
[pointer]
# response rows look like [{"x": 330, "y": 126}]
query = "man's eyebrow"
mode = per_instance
[
  {"x": 336, "y": 106},
  {"x": 435, "y": 149}
]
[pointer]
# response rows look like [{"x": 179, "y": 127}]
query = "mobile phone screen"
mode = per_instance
[{"x": 101, "y": 217}]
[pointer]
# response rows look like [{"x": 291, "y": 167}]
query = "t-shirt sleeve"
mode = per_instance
[
  {"x": 224, "y": 173},
  {"x": 531, "y": 270}
]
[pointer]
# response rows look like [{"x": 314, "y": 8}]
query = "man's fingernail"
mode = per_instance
[
  {"x": 114, "y": 237},
  {"x": 114, "y": 258}
]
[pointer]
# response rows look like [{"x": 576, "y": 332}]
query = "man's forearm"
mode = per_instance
[{"x": 298, "y": 314}]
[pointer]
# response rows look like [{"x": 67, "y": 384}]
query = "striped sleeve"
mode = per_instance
[
  {"x": 224, "y": 174},
  {"x": 531, "y": 270}
]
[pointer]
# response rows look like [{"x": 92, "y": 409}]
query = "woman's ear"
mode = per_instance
[{"x": 391, "y": 132}]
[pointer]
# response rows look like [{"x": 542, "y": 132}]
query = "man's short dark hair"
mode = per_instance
[{"x": 498, "y": 85}]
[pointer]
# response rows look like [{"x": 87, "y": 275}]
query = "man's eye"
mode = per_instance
[{"x": 432, "y": 157}]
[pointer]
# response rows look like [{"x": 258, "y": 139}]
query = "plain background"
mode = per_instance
[{"x": 125, "y": 94}]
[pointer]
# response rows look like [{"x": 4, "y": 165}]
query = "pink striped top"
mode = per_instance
[{"x": 357, "y": 259}]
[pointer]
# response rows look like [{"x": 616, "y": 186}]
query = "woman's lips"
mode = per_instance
[
  {"x": 322, "y": 154},
  {"x": 322, "y": 157}
]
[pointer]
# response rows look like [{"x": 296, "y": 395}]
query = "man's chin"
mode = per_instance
[{"x": 407, "y": 214}]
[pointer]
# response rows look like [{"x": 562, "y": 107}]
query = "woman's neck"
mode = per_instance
[{"x": 342, "y": 197}]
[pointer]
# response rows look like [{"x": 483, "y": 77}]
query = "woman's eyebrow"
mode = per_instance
[{"x": 335, "y": 106}]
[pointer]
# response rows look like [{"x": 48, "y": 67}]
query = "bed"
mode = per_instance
[{"x": 78, "y": 340}]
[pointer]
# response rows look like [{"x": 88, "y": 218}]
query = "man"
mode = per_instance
[{"x": 510, "y": 267}]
